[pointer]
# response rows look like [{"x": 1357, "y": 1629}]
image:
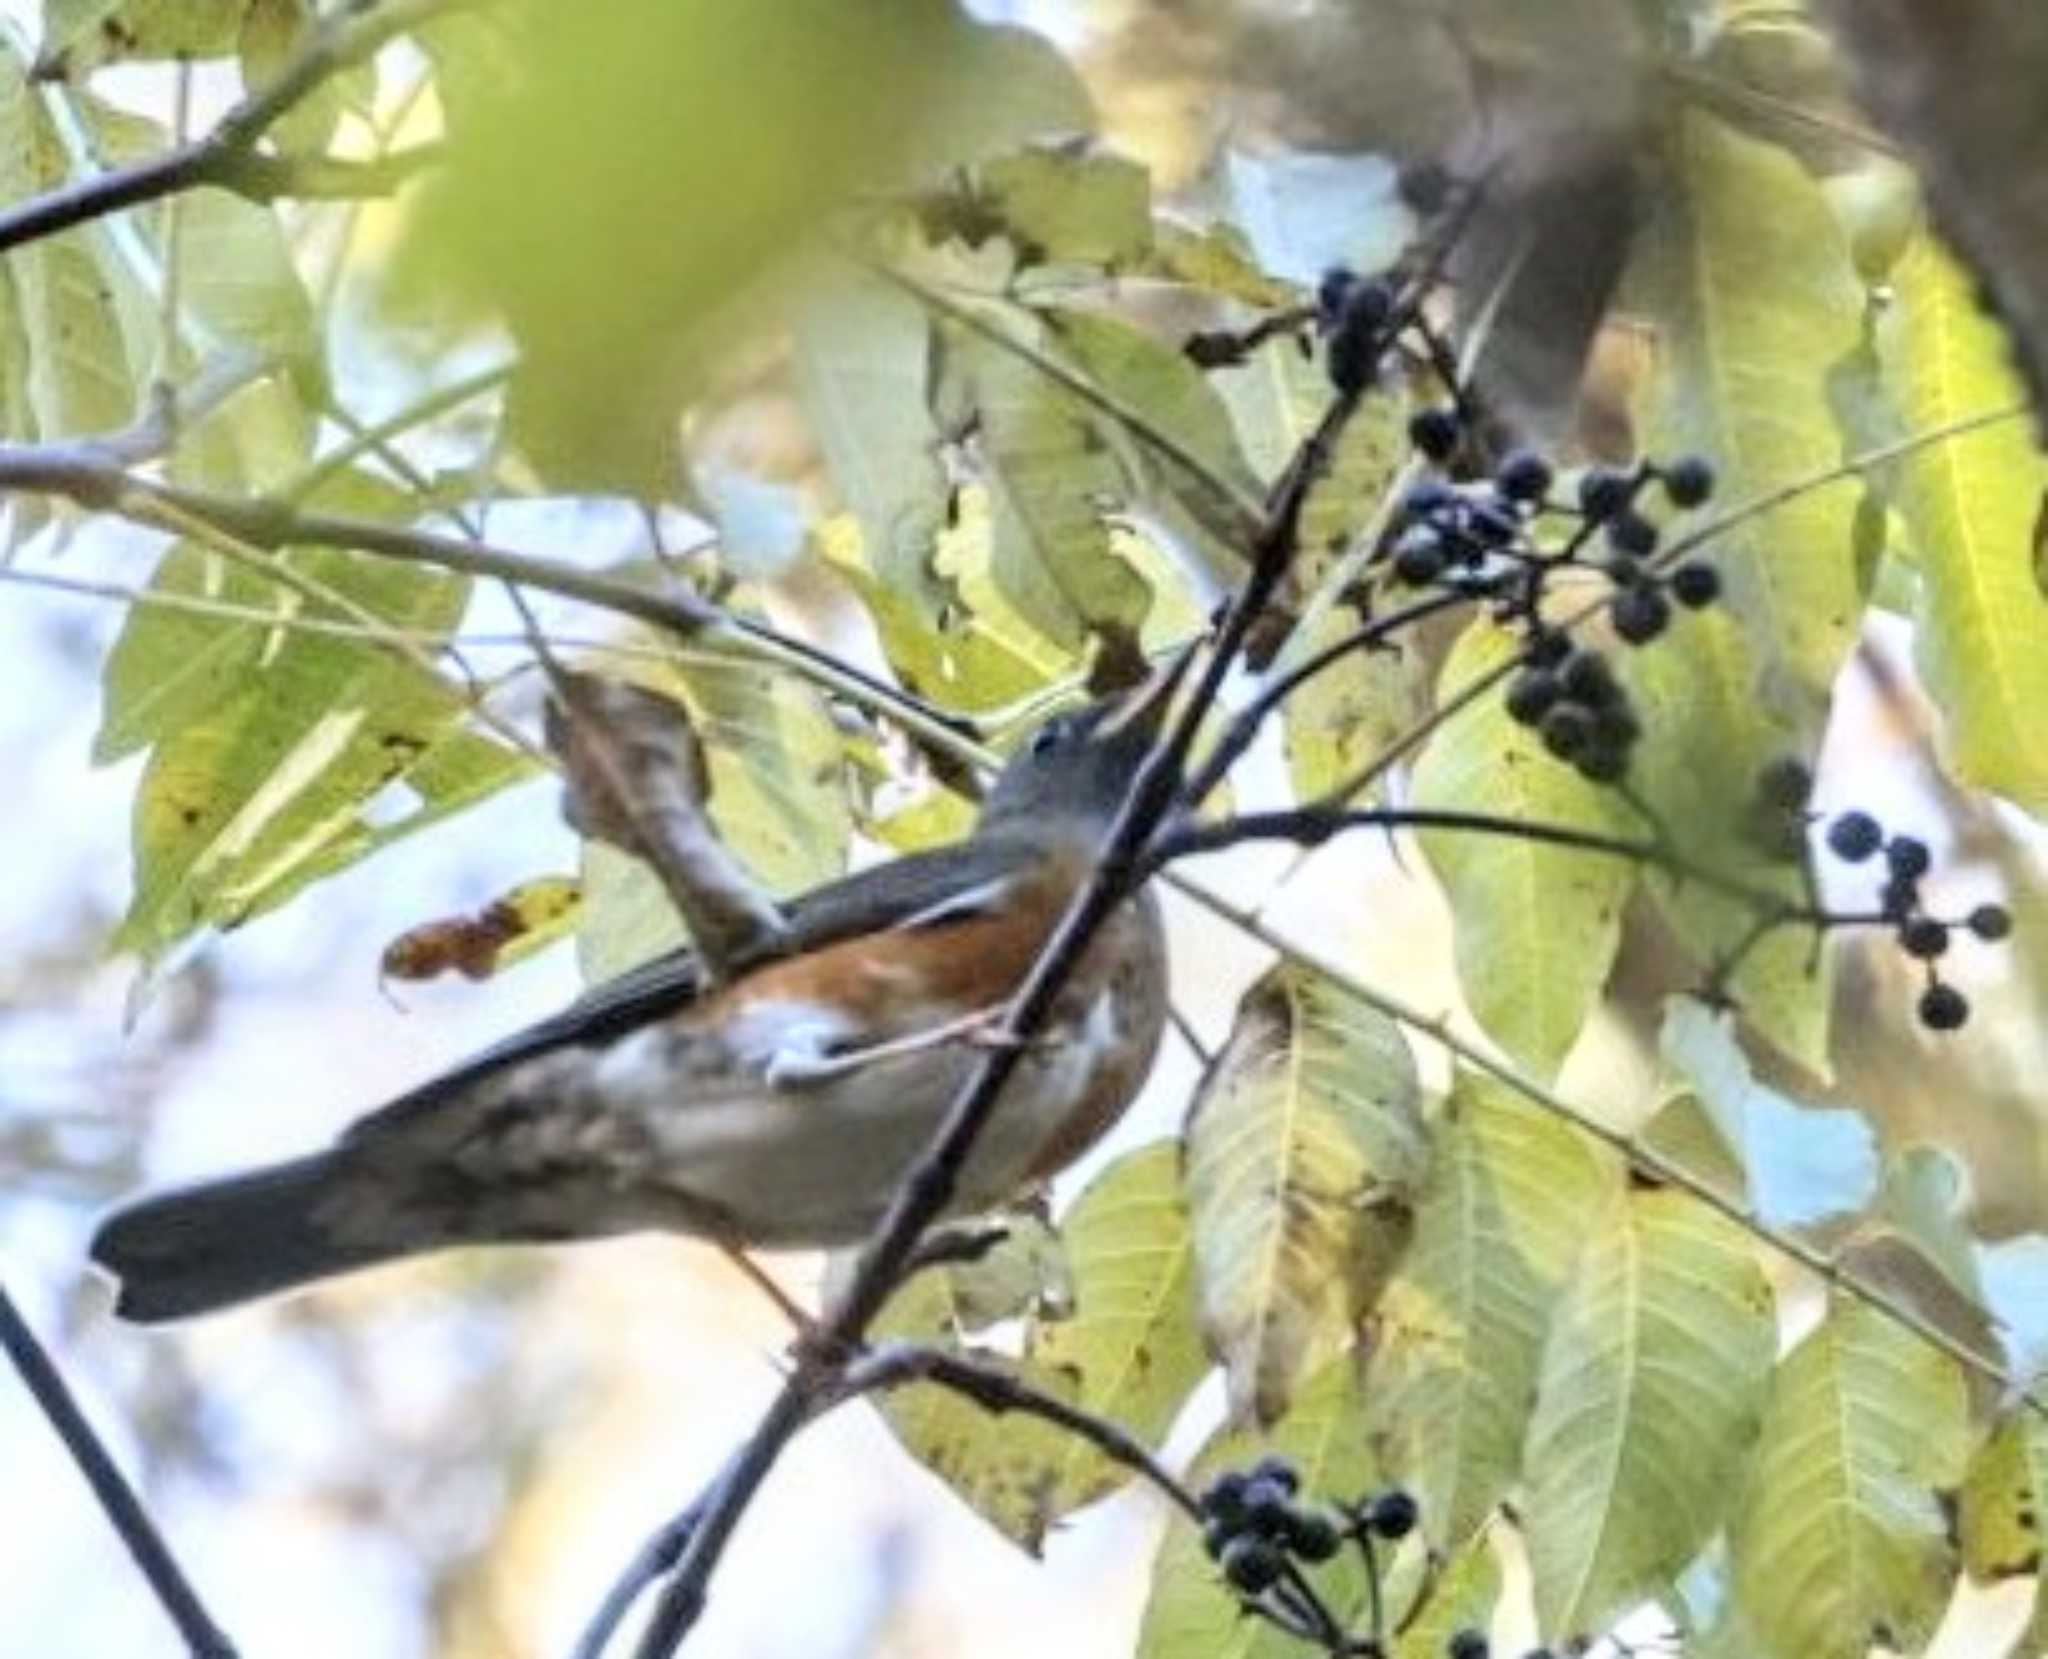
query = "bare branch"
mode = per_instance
[{"x": 124, "y": 1510}]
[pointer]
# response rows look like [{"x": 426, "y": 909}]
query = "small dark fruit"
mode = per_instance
[
  {"x": 1567, "y": 729},
  {"x": 1688, "y": 481},
  {"x": 1633, "y": 534},
  {"x": 1695, "y": 585},
  {"x": 1523, "y": 476},
  {"x": 1331, "y": 293},
  {"x": 1225, "y": 1496},
  {"x": 1420, "y": 556},
  {"x": 1924, "y": 937},
  {"x": 1640, "y": 614},
  {"x": 1312, "y": 1535},
  {"x": 1855, "y": 836},
  {"x": 1548, "y": 647},
  {"x": 1434, "y": 433},
  {"x": 1216, "y": 1536},
  {"x": 1252, "y": 1564},
  {"x": 1392, "y": 1515},
  {"x": 1602, "y": 762},
  {"x": 1603, "y": 492},
  {"x": 1531, "y": 695},
  {"x": 1424, "y": 186},
  {"x": 1908, "y": 857},
  {"x": 1897, "y": 898},
  {"x": 1589, "y": 679},
  {"x": 1266, "y": 1503},
  {"x": 1467, "y": 1644},
  {"x": 1990, "y": 922},
  {"x": 1280, "y": 1471},
  {"x": 1943, "y": 1008}
]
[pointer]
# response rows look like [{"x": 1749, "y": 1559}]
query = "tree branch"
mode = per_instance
[
  {"x": 227, "y": 157},
  {"x": 117, "y": 1498}
]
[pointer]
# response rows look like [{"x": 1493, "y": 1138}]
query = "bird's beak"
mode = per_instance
[{"x": 1145, "y": 707}]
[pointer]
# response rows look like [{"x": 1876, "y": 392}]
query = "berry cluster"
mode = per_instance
[
  {"x": 1505, "y": 537},
  {"x": 1259, "y": 1532},
  {"x": 1856, "y": 837}
]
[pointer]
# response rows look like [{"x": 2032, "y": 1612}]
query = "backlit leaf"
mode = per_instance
[
  {"x": 1999, "y": 1517},
  {"x": 83, "y": 34},
  {"x": 1840, "y": 1540},
  {"x": 1537, "y": 924},
  {"x": 1459, "y": 1334},
  {"x": 1974, "y": 503},
  {"x": 1653, "y": 1379},
  {"x": 1305, "y": 1152},
  {"x": 1127, "y": 1350}
]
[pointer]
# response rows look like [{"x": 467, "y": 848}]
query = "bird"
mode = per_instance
[{"x": 777, "y": 1110}]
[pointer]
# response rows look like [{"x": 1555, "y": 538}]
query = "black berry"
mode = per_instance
[
  {"x": 1695, "y": 585},
  {"x": 1280, "y": 1471},
  {"x": 1588, "y": 679},
  {"x": 1897, "y": 897},
  {"x": 1855, "y": 836},
  {"x": 1312, "y": 1535},
  {"x": 1392, "y": 1515},
  {"x": 1225, "y": 1496},
  {"x": 1617, "y": 724},
  {"x": 1265, "y": 1507},
  {"x": 1633, "y": 534},
  {"x": 1332, "y": 292},
  {"x": 1640, "y": 614},
  {"x": 1434, "y": 433},
  {"x": 1548, "y": 647},
  {"x": 1531, "y": 695},
  {"x": 1602, "y": 762},
  {"x": 1688, "y": 481},
  {"x": 1216, "y": 1536},
  {"x": 1252, "y": 1564},
  {"x": 1943, "y": 1008},
  {"x": 1908, "y": 857},
  {"x": 1523, "y": 476},
  {"x": 1420, "y": 556},
  {"x": 1467, "y": 1644},
  {"x": 1924, "y": 937},
  {"x": 1785, "y": 784},
  {"x": 1990, "y": 922},
  {"x": 1603, "y": 492},
  {"x": 1567, "y": 729}
]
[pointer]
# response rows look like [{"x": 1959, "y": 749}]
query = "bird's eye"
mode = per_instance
[{"x": 1049, "y": 737}]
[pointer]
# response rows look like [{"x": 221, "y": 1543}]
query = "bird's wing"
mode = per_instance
[{"x": 868, "y": 901}]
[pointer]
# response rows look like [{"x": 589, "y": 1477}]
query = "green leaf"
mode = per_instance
[
  {"x": 1841, "y": 1539},
  {"x": 1128, "y": 1351},
  {"x": 1157, "y": 382},
  {"x": 976, "y": 654},
  {"x": 1974, "y": 503},
  {"x": 1800, "y": 1163},
  {"x": 1049, "y": 469},
  {"x": 1537, "y": 924},
  {"x": 72, "y": 296},
  {"x": 1710, "y": 727},
  {"x": 1653, "y": 1380},
  {"x": 236, "y": 276},
  {"x": 1344, "y": 717},
  {"x": 1305, "y": 1149},
  {"x": 1764, "y": 301},
  {"x": 864, "y": 360},
  {"x": 83, "y": 34},
  {"x": 2004, "y": 1497},
  {"x": 1191, "y": 1612},
  {"x": 171, "y": 668},
  {"x": 1067, "y": 205},
  {"x": 268, "y": 793},
  {"x": 1459, "y": 1333},
  {"x": 271, "y": 32},
  {"x": 777, "y": 799}
]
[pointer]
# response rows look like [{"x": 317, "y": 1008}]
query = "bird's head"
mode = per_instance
[{"x": 1077, "y": 767}]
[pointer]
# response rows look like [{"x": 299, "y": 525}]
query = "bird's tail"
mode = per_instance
[{"x": 222, "y": 1242}]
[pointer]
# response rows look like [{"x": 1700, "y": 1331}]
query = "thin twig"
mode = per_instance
[
  {"x": 123, "y": 1508},
  {"x": 227, "y": 157}
]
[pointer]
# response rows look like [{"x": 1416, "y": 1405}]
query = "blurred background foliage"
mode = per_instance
[{"x": 731, "y": 297}]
